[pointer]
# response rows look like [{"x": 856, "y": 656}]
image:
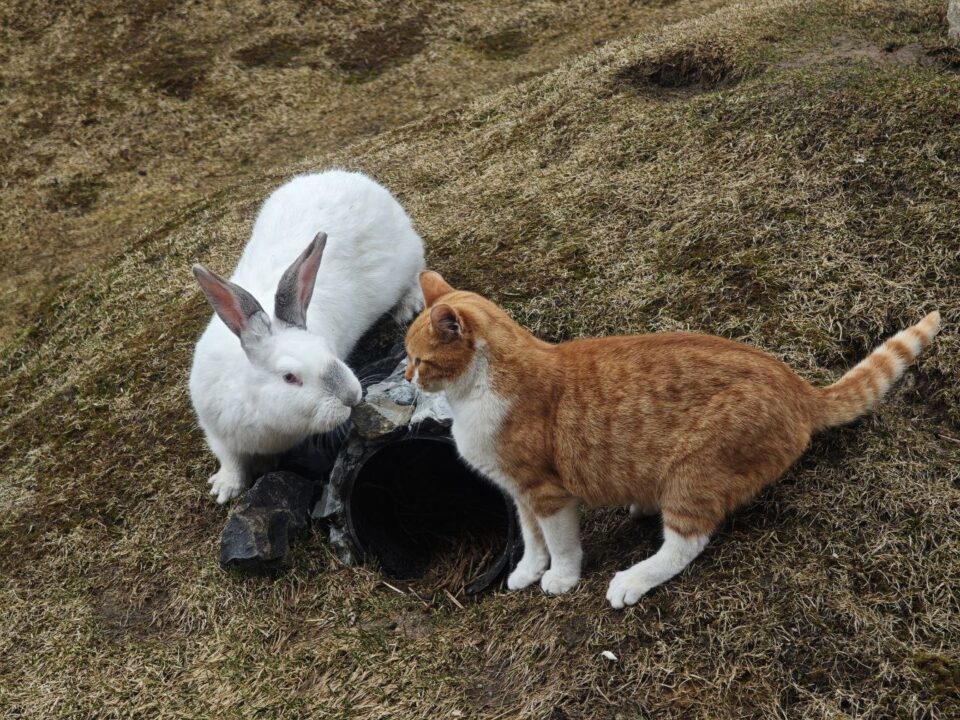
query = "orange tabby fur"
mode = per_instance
[{"x": 685, "y": 424}]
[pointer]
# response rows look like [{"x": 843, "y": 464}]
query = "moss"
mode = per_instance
[{"x": 941, "y": 673}]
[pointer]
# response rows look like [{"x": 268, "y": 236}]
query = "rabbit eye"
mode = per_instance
[{"x": 291, "y": 379}]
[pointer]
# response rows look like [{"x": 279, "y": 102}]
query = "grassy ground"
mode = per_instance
[
  {"x": 114, "y": 113},
  {"x": 780, "y": 172}
]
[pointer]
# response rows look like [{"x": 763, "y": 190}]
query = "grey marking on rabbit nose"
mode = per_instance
[
  {"x": 296, "y": 286},
  {"x": 338, "y": 380}
]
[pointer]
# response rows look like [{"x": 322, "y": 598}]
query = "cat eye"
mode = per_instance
[
  {"x": 416, "y": 362},
  {"x": 291, "y": 379}
]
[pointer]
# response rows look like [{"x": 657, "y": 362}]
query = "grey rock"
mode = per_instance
[
  {"x": 393, "y": 404},
  {"x": 433, "y": 407},
  {"x": 256, "y": 538},
  {"x": 374, "y": 419}
]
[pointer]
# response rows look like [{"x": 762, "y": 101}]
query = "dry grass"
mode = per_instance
[
  {"x": 113, "y": 114},
  {"x": 735, "y": 174}
]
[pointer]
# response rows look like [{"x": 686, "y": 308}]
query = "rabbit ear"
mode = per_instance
[
  {"x": 238, "y": 309},
  {"x": 296, "y": 286},
  {"x": 433, "y": 286}
]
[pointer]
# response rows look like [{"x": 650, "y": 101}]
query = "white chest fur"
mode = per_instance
[{"x": 478, "y": 413}]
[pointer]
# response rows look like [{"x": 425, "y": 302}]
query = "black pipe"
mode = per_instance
[{"x": 406, "y": 501}]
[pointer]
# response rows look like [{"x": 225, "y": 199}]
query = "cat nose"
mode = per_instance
[{"x": 353, "y": 399}]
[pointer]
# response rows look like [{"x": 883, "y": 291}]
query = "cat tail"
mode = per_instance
[{"x": 860, "y": 389}]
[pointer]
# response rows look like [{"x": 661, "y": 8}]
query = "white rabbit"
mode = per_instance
[{"x": 285, "y": 379}]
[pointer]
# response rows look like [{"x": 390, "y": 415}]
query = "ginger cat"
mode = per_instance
[{"x": 687, "y": 425}]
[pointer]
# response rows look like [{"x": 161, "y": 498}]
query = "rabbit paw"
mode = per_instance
[
  {"x": 226, "y": 485},
  {"x": 410, "y": 306}
]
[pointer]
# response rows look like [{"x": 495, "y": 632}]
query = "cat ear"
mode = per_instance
[
  {"x": 433, "y": 286},
  {"x": 446, "y": 323}
]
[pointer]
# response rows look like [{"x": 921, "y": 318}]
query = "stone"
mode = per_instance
[
  {"x": 380, "y": 416},
  {"x": 257, "y": 536}
]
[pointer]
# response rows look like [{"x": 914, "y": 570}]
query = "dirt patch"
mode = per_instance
[
  {"x": 575, "y": 632},
  {"x": 282, "y": 51},
  {"x": 175, "y": 69},
  {"x": 373, "y": 50},
  {"x": 79, "y": 194},
  {"x": 845, "y": 49},
  {"x": 502, "y": 45},
  {"x": 121, "y": 612},
  {"x": 413, "y": 624},
  {"x": 947, "y": 55},
  {"x": 491, "y": 691},
  {"x": 689, "y": 70}
]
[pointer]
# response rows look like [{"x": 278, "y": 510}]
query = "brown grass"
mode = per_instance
[
  {"x": 809, "y": 209},
  {"x": 115, "y": 114}
]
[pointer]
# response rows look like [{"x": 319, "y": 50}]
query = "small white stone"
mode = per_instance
[{"x": 609, "y": 656}]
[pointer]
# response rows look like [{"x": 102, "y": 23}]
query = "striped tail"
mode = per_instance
[{"x": 864, "y": 386}]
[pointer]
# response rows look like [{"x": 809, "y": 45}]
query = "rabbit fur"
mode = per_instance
[{"x": 297, "y": 314}]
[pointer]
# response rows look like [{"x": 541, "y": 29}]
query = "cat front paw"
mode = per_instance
[
  {"x": 526, "y": 573},
  {"x": 627, "y": 587},
  {"x": 554, "y": 583},
  {"x": 225, "y": 485}
]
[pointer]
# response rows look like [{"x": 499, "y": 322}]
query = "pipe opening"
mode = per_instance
[{"x": 417, "y": 508}]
